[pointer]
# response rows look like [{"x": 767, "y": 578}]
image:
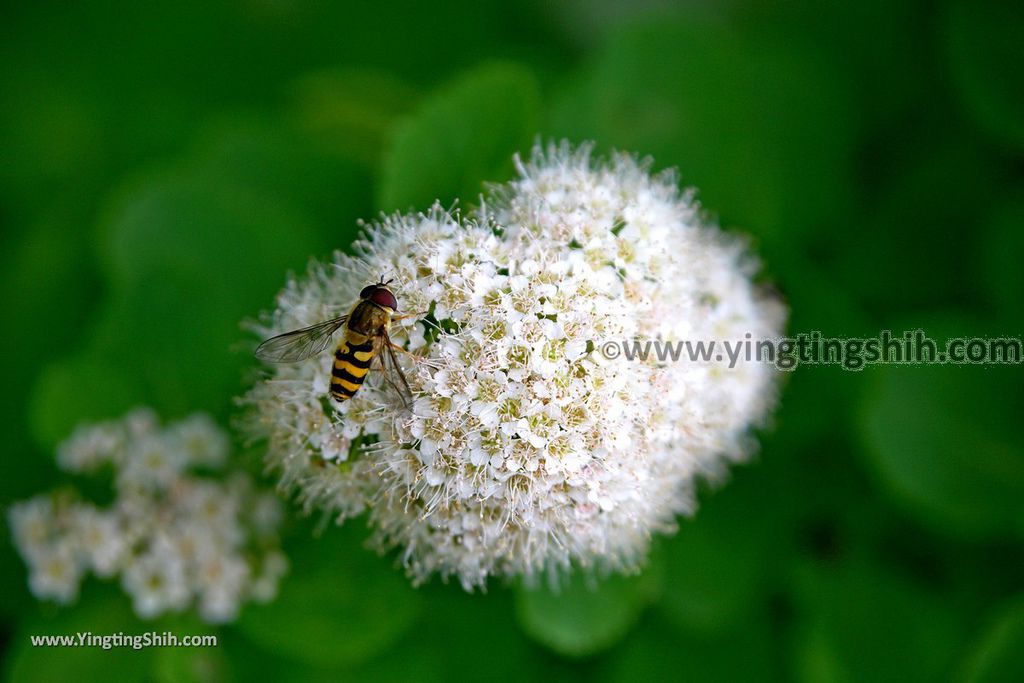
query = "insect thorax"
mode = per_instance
[{"x": 368, "y": 319}]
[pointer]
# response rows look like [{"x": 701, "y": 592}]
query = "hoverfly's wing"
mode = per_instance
[
  {"x": 393, "y": 374},
  {"x": 291, "y": 347}
]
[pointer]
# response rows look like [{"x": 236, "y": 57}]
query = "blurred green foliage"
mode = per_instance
[{"x": 163, "y": 165}]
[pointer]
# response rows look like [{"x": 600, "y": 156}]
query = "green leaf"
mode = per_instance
[
  {"x": 299, "y": 169},
  {"x": 983, "y": 45},
  {"x": 189, "y": 225},
  {"x": 585, "y": 616},
  {"x": 340, "y": 605},
  {"x": 188, "y": 256},
  {"x": 459, "y": 138},
  {"x": 858, "y": 623},
  {"x": 944, "y": 441},
  {"x": 998, "y": 654},
  {"x": 198, "y": 664},
  {"x": 1001, "y": 260},
  {"x": 471, "y": 634},
  {"x": 351, "y": 110},
  {"x": 46, "y": 276},
  {"x": 51, "y": 130},
  {"x": 189, "y": 665},
  {"x": 815, "y": 401},
  {"x": 656, "y": 652},
  {"x": 718, "y": 567},
  {"x": 763, "y": 129},
  {"x": 79, "y": 389},
  {"x": 191, "y": 251},
  {"x": 890, "y": 74},
  {"x": 931, "y": 201},
  {"x": 246, "y": 661},
  {"x": 99, "y": 616},
  {"x": 17, "y": 600}
]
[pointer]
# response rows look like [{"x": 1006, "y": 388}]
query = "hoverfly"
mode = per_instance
[{"x": 365, "y": 339}]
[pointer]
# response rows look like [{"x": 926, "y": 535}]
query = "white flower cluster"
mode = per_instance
[
  {"x": 175, "y": 538},
  {"x": 525, "y": 450}
]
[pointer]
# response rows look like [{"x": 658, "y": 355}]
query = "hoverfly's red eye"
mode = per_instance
[
  {"x": 383, "y": 297},
  {"x": 367, "y": 291}
]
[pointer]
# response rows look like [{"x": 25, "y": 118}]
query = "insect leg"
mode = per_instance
[
  {"x": 396, "y": 347},
  {"x": 405, "y": 316}
]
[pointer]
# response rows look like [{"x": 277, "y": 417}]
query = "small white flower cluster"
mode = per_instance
[
  {"x": 175, "y": 538},
  {"x": 525, "y": 451}
]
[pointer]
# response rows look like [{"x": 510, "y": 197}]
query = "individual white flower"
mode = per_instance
[
  {"x": 267, "y": 514},
  {"x": 32, "y": 524},
  {"x": 151, "y": 463},
  {"x": 156, "y": 581},
  {"x": 525, "y": 450},
  {"x": 223, "y": 581},
  {"x": 202, "y": 441},
  {"x": 90, "y": 447},
  {"x": 140, "y": 422},
  {"x": 175, "y": 539},
  {"x": 264, "y": 587},
  {"x": 56, "y": 573},
  {"x": 102, "y": 539}
]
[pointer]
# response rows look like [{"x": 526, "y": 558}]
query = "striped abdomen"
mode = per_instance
[{"x": 351, "y": 363}]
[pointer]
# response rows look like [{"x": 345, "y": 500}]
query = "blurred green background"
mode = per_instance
[{"x": 162, "y": 165}]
